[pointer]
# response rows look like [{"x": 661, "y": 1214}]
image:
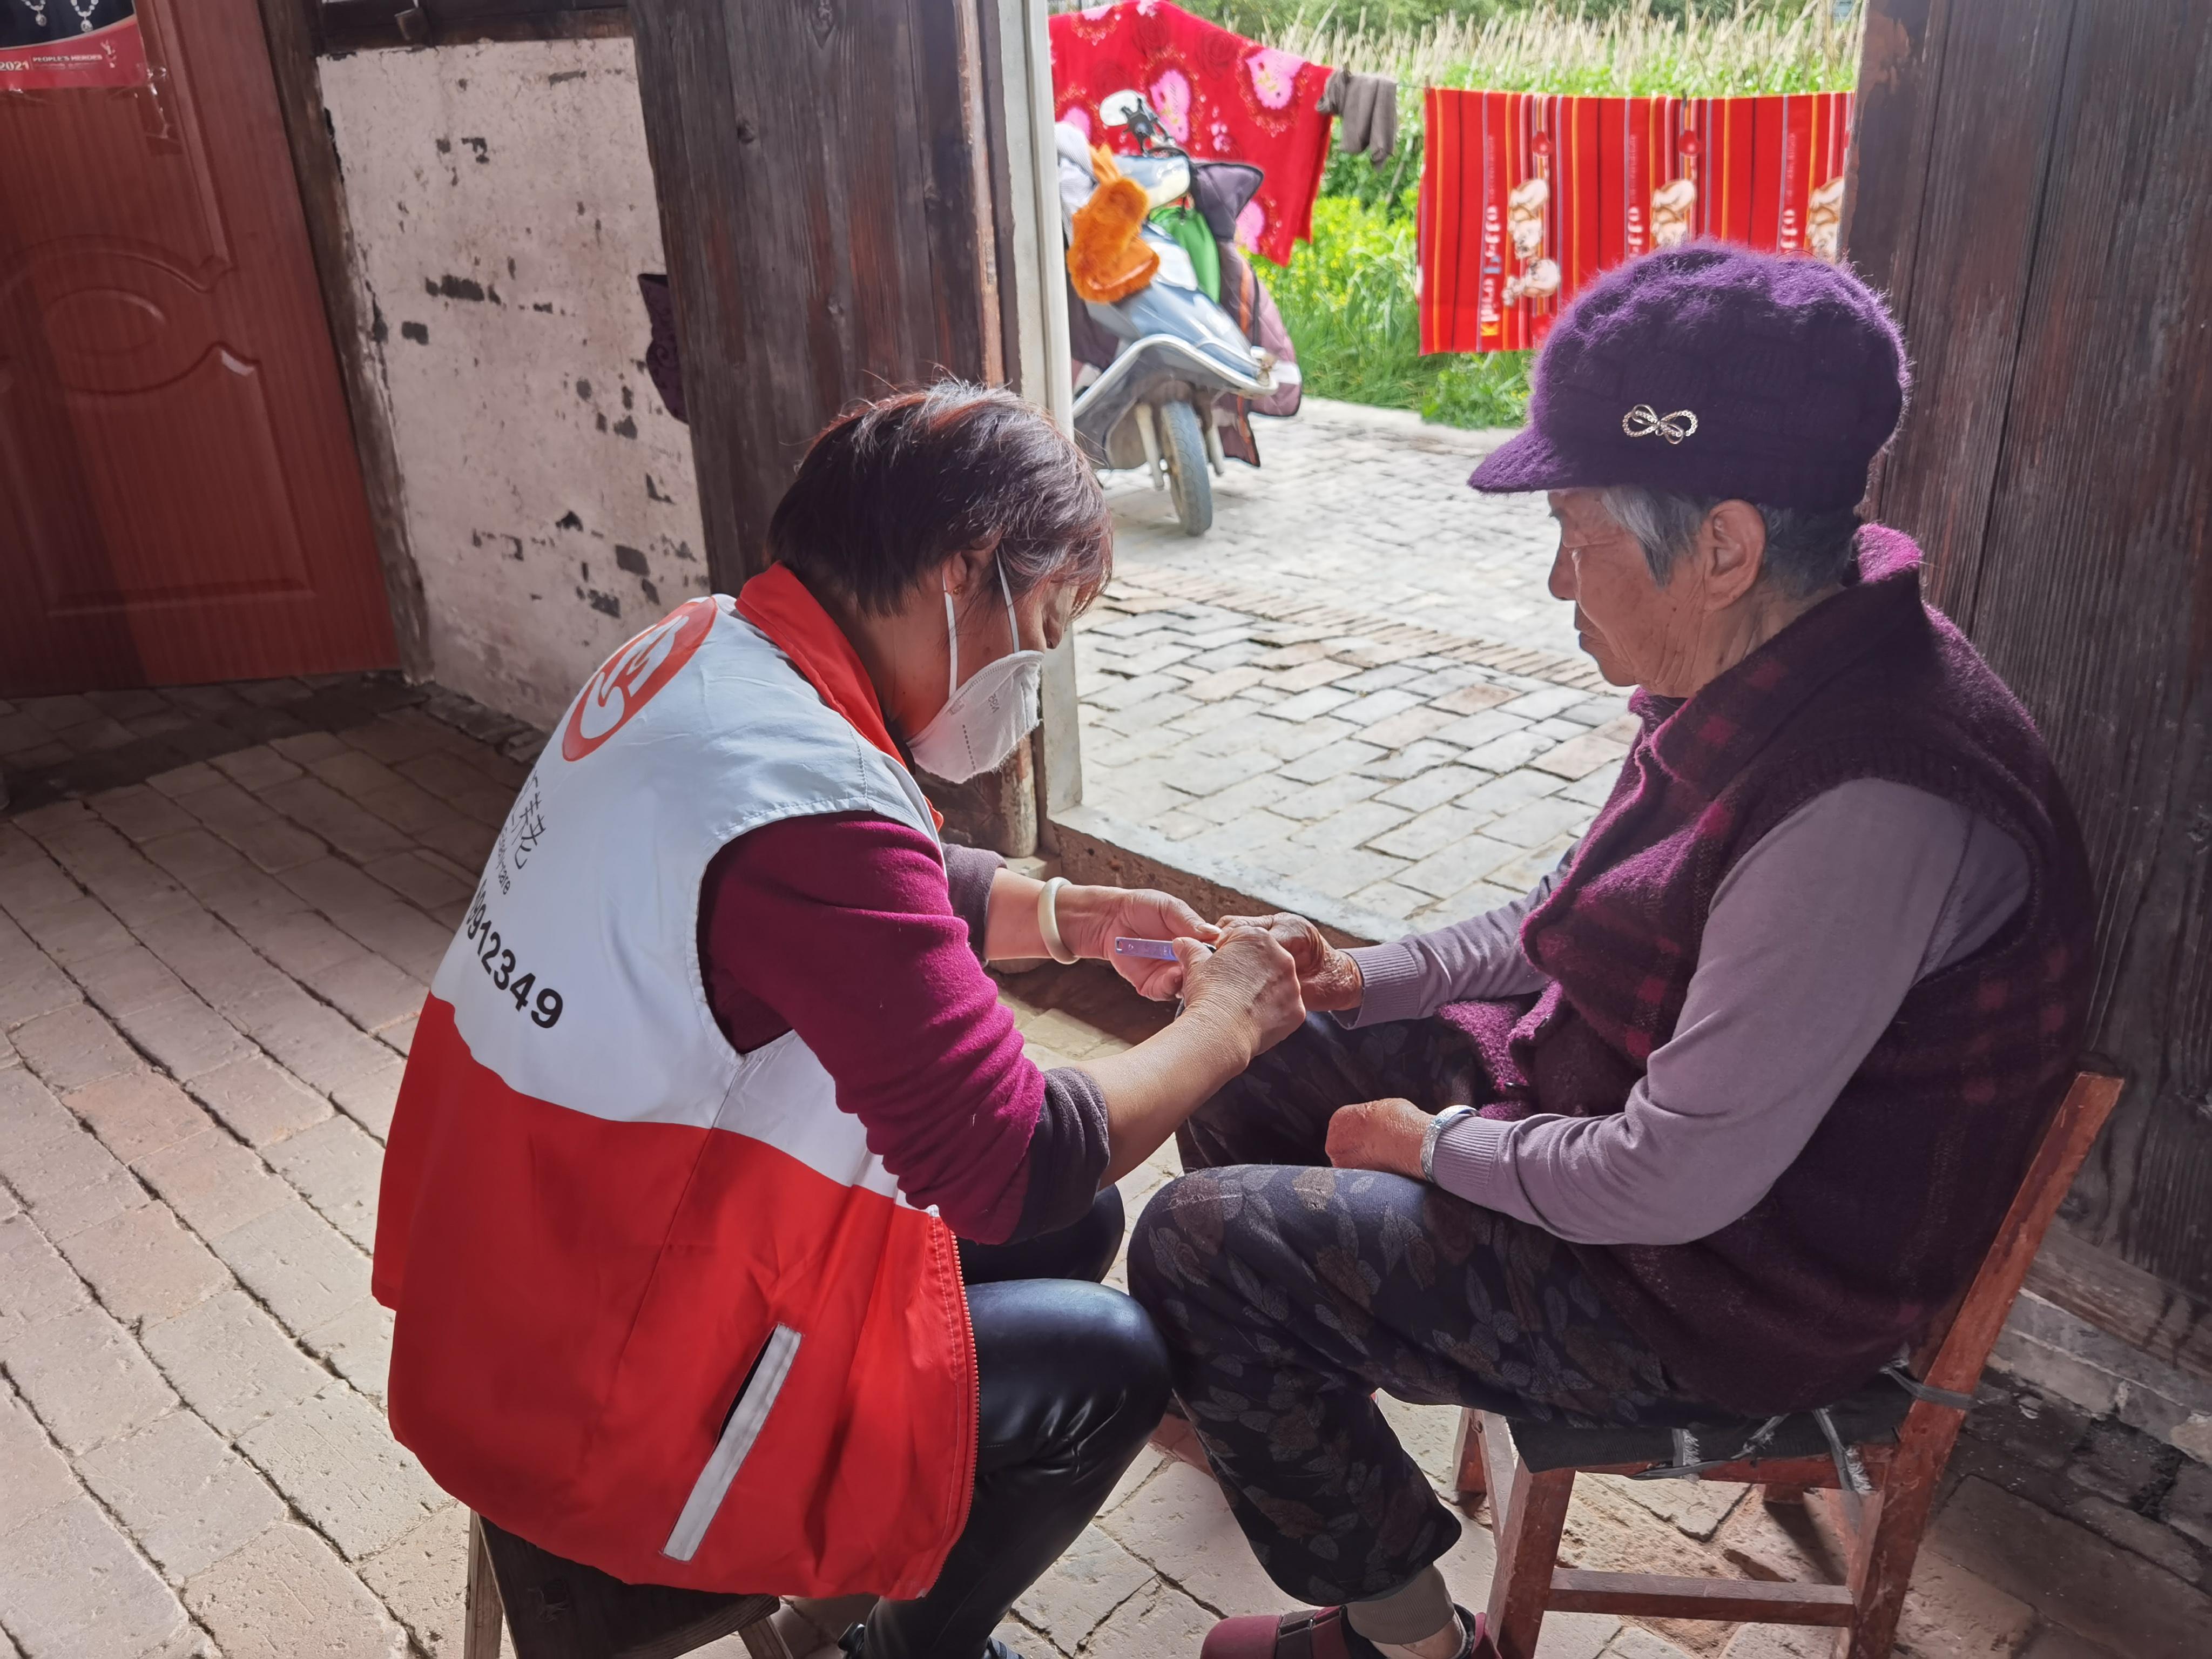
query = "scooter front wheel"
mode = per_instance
[{"x": 1188, "y": 483}]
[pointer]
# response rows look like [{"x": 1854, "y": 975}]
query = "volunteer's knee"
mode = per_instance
[
  {"x": 1066, "y": 1365},
  {"x": 1093, "y": 1241}
]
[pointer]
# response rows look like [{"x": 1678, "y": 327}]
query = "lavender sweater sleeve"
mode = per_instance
[
  {"x": 1474, "y": 960},
  {"x": 1813, "y": 941}
]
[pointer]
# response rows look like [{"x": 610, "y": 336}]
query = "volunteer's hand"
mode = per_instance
[
  {"x": 1328, "y": 979},
  {"x": 1378, "y": 1134},
  {"x": 1247, "y": 990},
  {"x": 1092, "y": 918}
]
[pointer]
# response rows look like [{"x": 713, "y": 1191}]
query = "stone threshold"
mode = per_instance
[{"x": 1094, "y": 848}]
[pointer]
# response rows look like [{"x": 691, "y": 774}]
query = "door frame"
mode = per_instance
[
  {"x": 1038, "y": 363},
  {"x": 286, "y": 30}
]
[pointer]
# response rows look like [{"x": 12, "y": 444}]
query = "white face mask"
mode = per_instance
[{"x": 982, "y": 721}]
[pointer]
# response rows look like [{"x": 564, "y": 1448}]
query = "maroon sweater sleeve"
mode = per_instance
[{"x": 842, "y": 928}]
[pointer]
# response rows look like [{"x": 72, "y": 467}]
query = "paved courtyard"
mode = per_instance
[
  {"x": 207, "y": 981},
  {"x": 1354, "y": 690}
]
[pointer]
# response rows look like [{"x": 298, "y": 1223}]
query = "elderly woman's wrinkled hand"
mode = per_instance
[
  {"x": 1328, "y": 979},
  {"x": 1249, "y": 985},
  {"x": 1378, "y": 1134}
]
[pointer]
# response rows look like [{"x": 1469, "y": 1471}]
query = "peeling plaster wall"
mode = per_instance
[{"x": 502, "y": 206}]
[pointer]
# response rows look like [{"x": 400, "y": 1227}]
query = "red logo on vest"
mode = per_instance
[{"x": 627, "y": 680}]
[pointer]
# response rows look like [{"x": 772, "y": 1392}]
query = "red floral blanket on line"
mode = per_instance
[{"x": 1221, "y": 97}]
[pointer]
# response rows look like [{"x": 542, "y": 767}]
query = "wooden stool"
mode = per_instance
[
  {"x": 558, "y": 1609},
  {"x": 1877, "y": 1533}
]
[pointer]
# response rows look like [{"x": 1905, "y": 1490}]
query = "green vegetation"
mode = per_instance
[{"x": 1348, "y": 298}]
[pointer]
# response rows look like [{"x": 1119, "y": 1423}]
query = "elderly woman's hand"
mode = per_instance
[
  {"x": 1328, "y": 979},
  {"x": 1378, "y": 1134}
]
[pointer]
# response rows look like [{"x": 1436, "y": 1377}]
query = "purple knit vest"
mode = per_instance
[{"x": 1883, "y": 1218}]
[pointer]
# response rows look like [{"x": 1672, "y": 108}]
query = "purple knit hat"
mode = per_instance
[{"x": 1711, "y": 370}]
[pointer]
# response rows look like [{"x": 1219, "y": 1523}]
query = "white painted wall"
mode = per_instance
[{"x": 501, "y": 207}]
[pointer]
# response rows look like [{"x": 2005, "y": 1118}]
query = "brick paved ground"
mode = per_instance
[
  {"x": 208, "y": 980},
  {"x": 1355, "y": 684}
]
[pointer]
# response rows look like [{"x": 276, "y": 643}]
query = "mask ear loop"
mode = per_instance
[
  {"x": 1013, "y": 626},
  {"x": 952, "y": 635},
  {"x": 952, "y": 626}
]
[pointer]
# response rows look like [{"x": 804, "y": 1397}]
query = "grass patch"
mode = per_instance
[{"x": 1347, "y": 299}]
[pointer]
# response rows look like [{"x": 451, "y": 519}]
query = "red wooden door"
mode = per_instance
[{"x": 180, "y": 496}]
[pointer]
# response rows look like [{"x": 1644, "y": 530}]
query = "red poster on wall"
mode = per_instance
[
  {"x": 48, "y": 45},
  {"x": 1527, "y": 197}
]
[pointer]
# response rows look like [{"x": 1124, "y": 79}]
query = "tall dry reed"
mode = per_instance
[{"x": 1553, "y": 47}]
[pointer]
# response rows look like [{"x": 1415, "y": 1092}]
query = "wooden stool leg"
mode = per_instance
[
  {"x": 1530, "y": 1512},
  {"x": 485, "y": 1612},
  {"x": 1472, "y": 1479}
]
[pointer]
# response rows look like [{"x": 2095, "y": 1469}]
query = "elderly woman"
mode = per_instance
[
  {"x": 1723, "y": 1111},
  {"x": 734, "y": 1243}
]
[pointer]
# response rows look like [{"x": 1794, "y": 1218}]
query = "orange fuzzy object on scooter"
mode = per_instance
[{"x": 1106, "y": 259}]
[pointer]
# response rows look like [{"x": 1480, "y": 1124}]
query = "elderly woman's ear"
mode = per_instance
[{"x": 1731, "y": 553}]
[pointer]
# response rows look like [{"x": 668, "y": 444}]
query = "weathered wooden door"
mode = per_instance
[
  {"x": 827, "y": 200},
  {"x": 2031, "y": 183},
  {"x": 179, "y": 495},
  {"x": 839, "y": 204}
]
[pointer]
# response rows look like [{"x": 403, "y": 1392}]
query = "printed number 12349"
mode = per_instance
[{"x": 499, "y": 964}]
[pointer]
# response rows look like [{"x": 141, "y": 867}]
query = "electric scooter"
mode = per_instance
[{"x": 1153, "y": 406}]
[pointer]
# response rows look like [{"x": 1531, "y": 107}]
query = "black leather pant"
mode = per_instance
[{"x": 1072, "y": 1379}]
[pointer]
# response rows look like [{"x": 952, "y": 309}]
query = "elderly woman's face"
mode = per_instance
[
  {"x": 1669, "y": 639},
  {"x": 1623, "y": 619}
]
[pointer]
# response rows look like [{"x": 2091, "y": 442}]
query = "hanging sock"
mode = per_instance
[{"x": 1366, "y": 108}]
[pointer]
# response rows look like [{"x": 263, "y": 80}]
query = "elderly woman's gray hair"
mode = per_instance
[{"x": 1806, "y": 551}]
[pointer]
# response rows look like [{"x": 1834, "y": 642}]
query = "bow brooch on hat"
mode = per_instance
[{"x": 1643, "y": 421}]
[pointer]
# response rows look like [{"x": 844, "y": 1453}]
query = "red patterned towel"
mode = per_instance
[
  {"x": 1221, "y": 97},
  {"x": 1526, "y": 197}
]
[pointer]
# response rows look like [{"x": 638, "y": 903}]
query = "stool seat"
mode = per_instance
[
  {"x": 561, "y": 1610},
  {"x": 1869, "y": 1416}
]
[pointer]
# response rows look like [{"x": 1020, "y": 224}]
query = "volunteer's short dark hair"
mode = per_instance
[{"x": 892, "y": 489}]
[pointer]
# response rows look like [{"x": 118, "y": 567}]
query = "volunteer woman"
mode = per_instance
[{"x": 713, "y": 1076}]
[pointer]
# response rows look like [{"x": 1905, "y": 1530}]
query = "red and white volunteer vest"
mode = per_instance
[{"x": 659, "y": 1309}]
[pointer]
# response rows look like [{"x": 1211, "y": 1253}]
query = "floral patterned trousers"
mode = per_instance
[{"x": 1289, "y": 1291}]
